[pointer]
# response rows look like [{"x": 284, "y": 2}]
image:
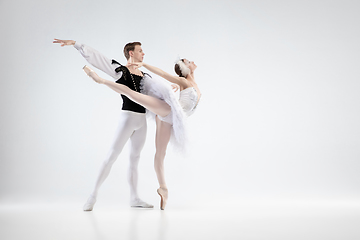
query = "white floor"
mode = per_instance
[{"x": 278, "y": 220}]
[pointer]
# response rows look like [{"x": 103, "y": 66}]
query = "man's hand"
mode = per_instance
[{"x": 64, "y": 42}]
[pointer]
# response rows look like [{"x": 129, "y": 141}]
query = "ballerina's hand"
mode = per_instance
[
  {"x": 175, "y": 86},
  {"x": 64, "y": 42}
]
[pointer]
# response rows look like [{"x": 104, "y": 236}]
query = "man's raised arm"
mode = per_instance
[{"x": 94, "y": 57}]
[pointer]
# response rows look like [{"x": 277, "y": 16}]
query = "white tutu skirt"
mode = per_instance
[{"x": 157, "y": 87}]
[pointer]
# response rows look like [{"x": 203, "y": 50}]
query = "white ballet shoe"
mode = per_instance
[
  {"x": 93, "y": 75},
  {"x": 89, "y": 205},
  {"x": 140, "y": 204},
  {"x": 163, "y": 192}
]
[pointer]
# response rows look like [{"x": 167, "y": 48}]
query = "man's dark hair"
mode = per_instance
[{"x": 130, "y": 47}]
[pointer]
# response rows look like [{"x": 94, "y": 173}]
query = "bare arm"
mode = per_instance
[{"x": 174, "y": 79}]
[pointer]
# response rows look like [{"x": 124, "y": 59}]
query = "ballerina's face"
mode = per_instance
[
  {"x": 137, "y": 54},
  {"x": 191, "y": 65}
]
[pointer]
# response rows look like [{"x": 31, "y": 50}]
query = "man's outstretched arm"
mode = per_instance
[{"x": 94, "y": 57}]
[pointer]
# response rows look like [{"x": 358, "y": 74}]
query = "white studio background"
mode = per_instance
[{"x": 279, "y": 115}]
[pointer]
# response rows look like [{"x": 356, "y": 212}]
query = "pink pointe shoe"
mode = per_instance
[
  {"x": 163, "y": 192},
  {"x": 93, "y": 75}
]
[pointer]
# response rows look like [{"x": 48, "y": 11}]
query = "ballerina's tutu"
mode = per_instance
[{"x": 157, "y": 87}]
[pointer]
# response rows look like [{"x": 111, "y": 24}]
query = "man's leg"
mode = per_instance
[
  {"x": 137, "y": 141},
  {"x": 124, "y": 130}
]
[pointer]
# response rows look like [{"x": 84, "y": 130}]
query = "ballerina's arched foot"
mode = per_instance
[
  {"x": 163, "y": 192},
  {"x": 93, "y": 75}
]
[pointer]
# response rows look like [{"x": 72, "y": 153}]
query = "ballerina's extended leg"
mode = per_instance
[{"x": 157, "y": 106}]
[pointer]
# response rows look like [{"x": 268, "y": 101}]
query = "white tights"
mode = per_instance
[{"x": 131, "y": 126}]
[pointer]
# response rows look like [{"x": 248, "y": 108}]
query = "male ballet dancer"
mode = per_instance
[{"x": 132, "y": 122}]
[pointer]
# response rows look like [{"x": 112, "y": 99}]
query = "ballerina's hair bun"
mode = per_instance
[{"x": 181, "y": 69}]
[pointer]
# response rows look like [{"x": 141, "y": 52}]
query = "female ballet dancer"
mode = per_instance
[{"x": 169, "y": 110}]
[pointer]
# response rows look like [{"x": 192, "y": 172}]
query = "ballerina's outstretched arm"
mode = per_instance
[
  {"x": 155, "y": 105},
  {"x": 174, "y": 79}
]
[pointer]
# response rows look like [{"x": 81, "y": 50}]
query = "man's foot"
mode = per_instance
[
  {"x": 140, "y": 204},
  {"x": 93, "y": 74},
  {"x": 163, "y": 192},
  {"x": 89, "y": 205}
]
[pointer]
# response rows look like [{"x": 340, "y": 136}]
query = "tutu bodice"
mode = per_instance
[{"x": 188, "y": 100}]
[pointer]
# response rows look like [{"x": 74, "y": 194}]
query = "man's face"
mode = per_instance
[{"x": 138, "y": 54}]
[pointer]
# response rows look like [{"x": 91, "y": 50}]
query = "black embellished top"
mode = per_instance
[{"x": 133, "y": 82}]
